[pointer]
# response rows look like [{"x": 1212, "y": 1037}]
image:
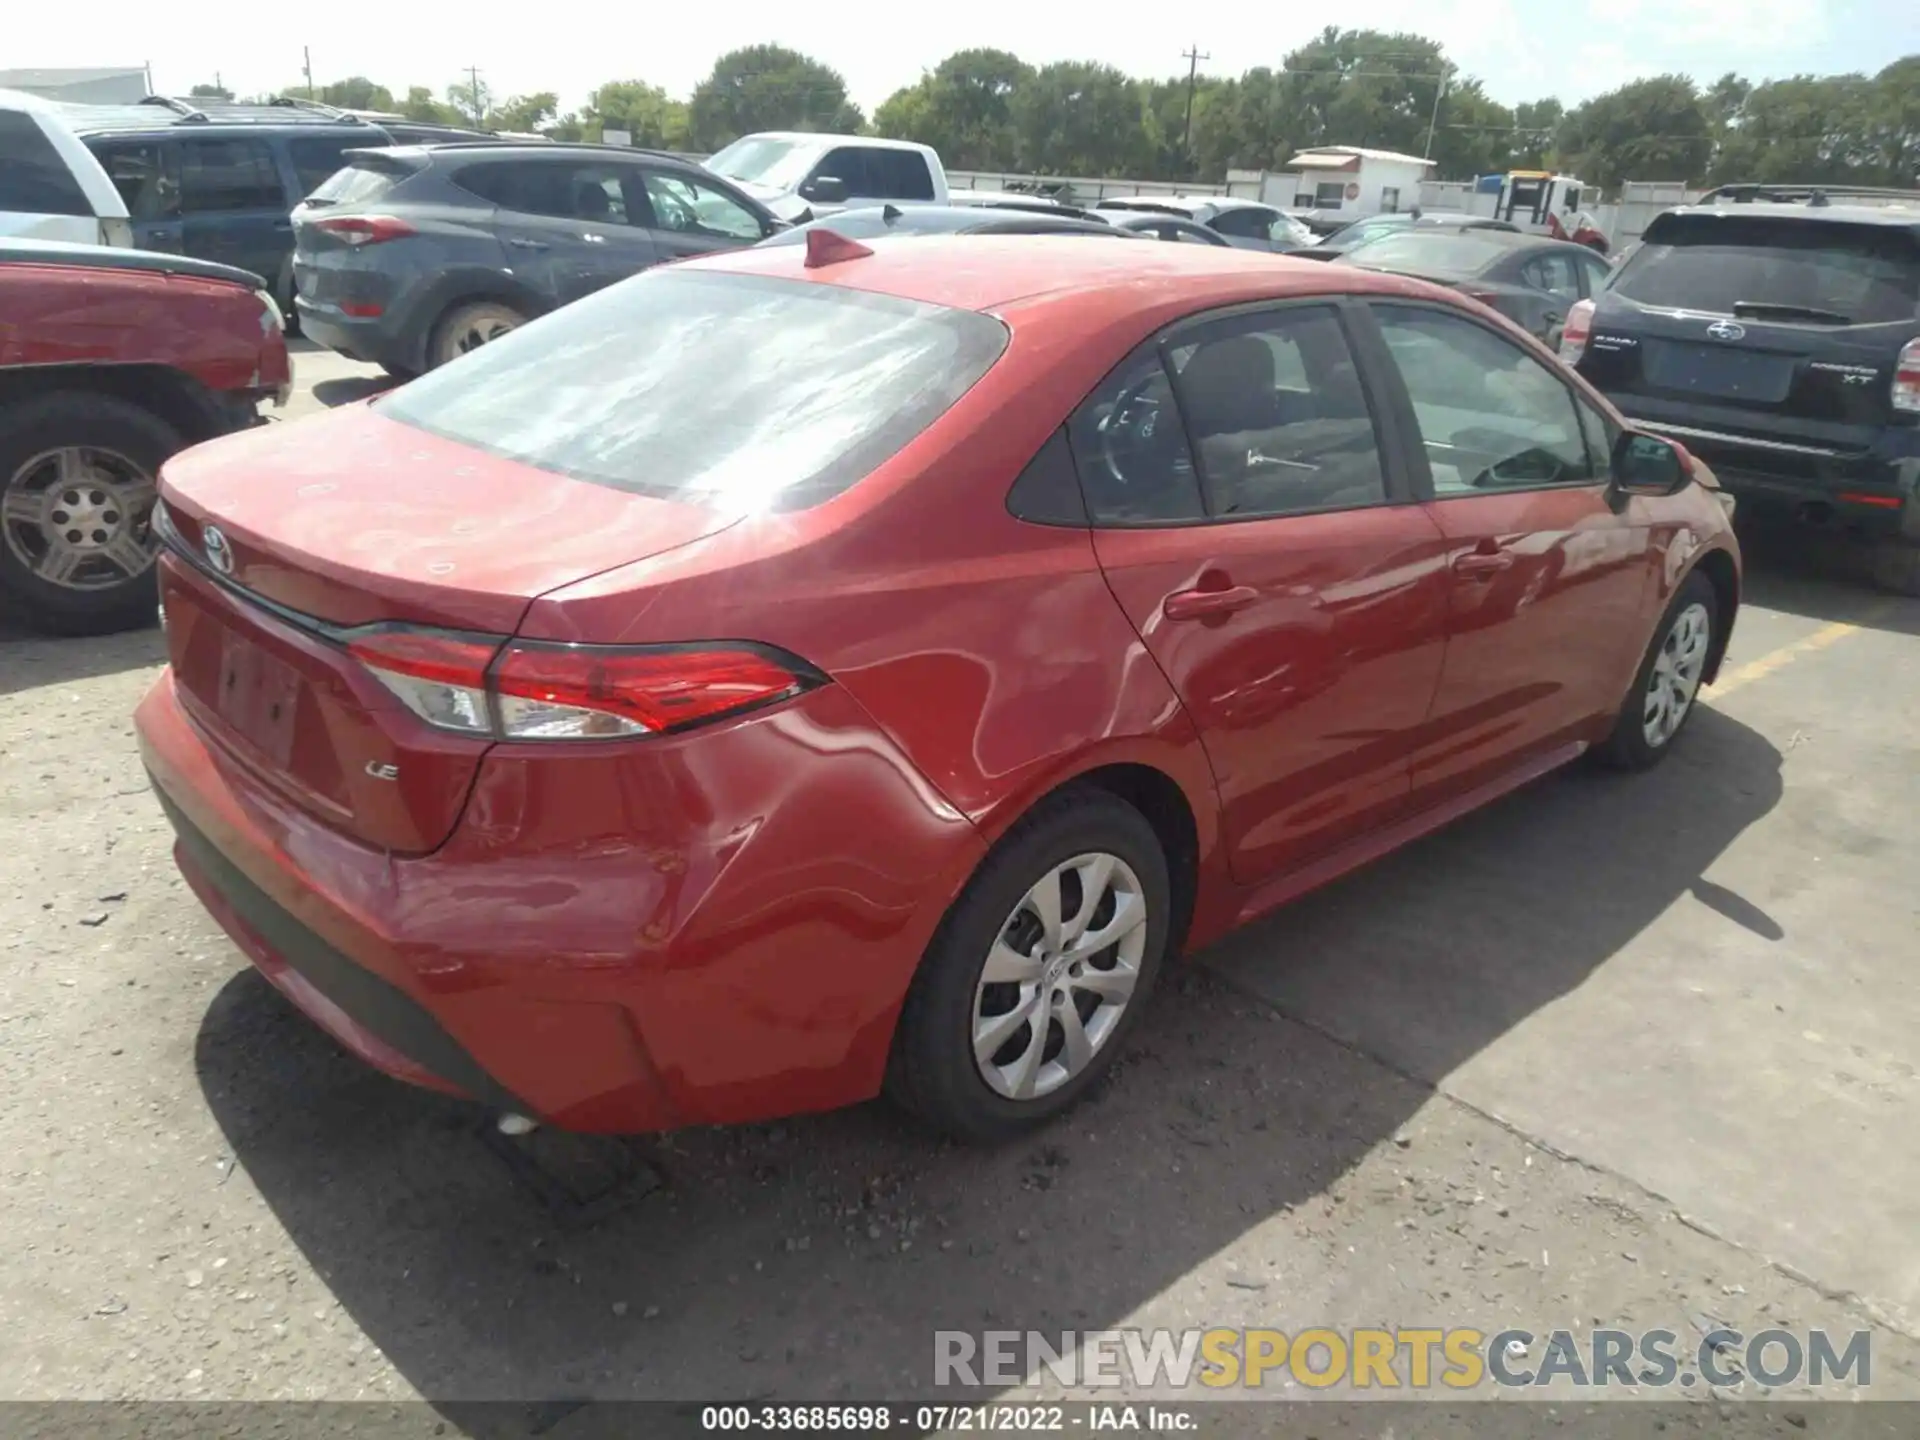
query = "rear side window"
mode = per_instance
[
  {"x": 356, "y": 184},
  {"x": 739, "y": 391},
  {"x": 315, "y": 158},
  {"x": 563, "y": 191},
  {"x": 1867, "y": 274},
  {"x": 145, "y": 174},
  {"x": 218, "y": 175},
  {"x": 34, "y": 179},
  {"x": 899, "y": 175}
]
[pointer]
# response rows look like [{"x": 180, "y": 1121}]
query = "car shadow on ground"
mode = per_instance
[
  {"x": 30, "y": 659},
  {"x": 1821, "y": 576},
  {"x": 814, "y": 1258},
  {"x": 349, "y": 388}
]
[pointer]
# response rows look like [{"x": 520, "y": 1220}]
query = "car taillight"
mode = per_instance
[
  {"x": 1906, "y": 379},
  {"x": 439, "y": 676},
  {"x": 531, "y": 690},
  {"x": 363, "y": 229},
  {"x": 1574, "y": 334}
]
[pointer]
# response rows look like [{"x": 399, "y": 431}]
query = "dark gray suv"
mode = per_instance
[{"x": 414, "y": 254}]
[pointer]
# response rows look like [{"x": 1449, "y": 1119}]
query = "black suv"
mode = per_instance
[
  {"x": 410, "y": 256},
  {"x": 1775, "y": 331},
  {"x": 219, "y": 181}
]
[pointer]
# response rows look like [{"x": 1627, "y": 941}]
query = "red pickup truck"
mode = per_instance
[{"x": 110, "y": 362}]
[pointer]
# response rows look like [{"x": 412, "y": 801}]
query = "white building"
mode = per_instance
[
  {"x": 101, "y": 85},
  {"x": 1344, "y": 181}
]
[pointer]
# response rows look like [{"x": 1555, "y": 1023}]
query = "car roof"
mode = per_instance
[
  {"x": 943, "y": 220},
  {"x": 1895, "y": 216},
  {"x": 990, "y": 272},
  {"x": 521, "y": 149},
  {"x": 826, "y": 140},
  {"x": 210, "y": 116}
]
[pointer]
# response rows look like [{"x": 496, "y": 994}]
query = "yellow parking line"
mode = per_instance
[{"x": 1764, "y": 665}]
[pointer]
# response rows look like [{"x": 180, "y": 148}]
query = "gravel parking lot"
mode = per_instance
[{"x": 1636, "y": 1052}]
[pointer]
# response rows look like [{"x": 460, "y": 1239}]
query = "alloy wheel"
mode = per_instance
[
  {"x": 80, "y": 517},
  {"x": 1059, "y": 976},
  {"x": 1675, "y": 678}
]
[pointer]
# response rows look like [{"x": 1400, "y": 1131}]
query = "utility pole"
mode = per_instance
[
  {"x": 473, "y": 73},
  {"x": 1434, "y": 122},
  {"x": 1193, "y": 56},
  {"x": 306, "y": 61}
]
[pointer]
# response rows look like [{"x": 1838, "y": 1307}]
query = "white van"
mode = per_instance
[{"x": 51, "y": 187}]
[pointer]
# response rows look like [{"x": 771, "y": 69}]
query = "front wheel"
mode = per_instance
[
  {"x": 77, "y": 490},
  {"x": 1662, "y": 698},
  {"x": 1038, "y": 972}
]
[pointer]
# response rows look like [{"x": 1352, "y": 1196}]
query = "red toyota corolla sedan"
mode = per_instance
[{"x": 805, "y": 673}]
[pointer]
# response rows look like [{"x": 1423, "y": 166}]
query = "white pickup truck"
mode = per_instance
[{"x": 798, "y": 175}]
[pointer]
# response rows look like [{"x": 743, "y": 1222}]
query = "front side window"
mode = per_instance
[
  {"x": 34, "y": 179},
  {"x": 226, "y": 175},
  {"x": 848, "y": 165},
  {"x": 1594, "y": 273},
  {"x": 684, "y": 205},
  {"x": 743, "y": 392},
  {"x": 143, "y": 172},
  {"x": 1131, "y": 448},
  {"x": 1491, "y": 417},
  {"x": 1278, "y": 415}
]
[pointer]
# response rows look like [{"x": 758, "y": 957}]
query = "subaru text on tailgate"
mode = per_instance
[{"x": 1780, "y": 342}]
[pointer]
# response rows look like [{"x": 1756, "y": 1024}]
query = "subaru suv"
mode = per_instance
[
  {"x": 1775, "y": 331},
  {"x": 415, "y": 254}
]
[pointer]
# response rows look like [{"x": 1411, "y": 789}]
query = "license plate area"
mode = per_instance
[
  {"x": 259, "y": 696},
  {"x": 1726, "y": 374}
]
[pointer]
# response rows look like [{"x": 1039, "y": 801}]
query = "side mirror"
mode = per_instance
[
  {"x": 827, "y": 189},
  {"x": 1648, "y": 465}
]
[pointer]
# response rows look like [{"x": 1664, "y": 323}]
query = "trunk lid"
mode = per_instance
[
  {"x": 352, "y": 520},
  {"x": 1781, "y": 326}
]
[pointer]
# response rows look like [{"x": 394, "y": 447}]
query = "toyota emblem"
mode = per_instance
[
  {"x": 219, "y": 553},
  {"x": 1727, "y": 330}
]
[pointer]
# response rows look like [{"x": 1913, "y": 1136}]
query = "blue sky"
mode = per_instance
[{"x": 1522, "y": 49}]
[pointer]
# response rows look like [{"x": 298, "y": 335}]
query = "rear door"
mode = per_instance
[
  {"x": 146, "y": 172},
  {"x": 1276, "y": 567},
  {"x": 566, "y": 225},
  {"x": 690, "y": 217},
  {"x": 233, "y": 205},
  {"x": 1547, "y": 568},
  {"x": 1765, "y": 341}
]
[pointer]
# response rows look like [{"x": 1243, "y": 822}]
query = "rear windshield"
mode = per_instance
[
  {"x": 355, "y": 185},
  {"x": 1868, "y": 273},
  {"x": 1455, "y": 255},
  {"x": 736, "y": 390}
]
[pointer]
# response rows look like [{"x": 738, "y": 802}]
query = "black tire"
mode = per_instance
[
  {"x": 443, "y": 344},
  {"x": 1629, "y": 747},
  {"x": 72, "y": 418},
  {"x": 932, "y": 1071},
  {"x": 400, "y": 373}
]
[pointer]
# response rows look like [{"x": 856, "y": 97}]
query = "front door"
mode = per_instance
[
  {"x": 1548, "y": 565},
  {"x": 1263, "y": 540},
  {"x": 691, "y": 218},
  {"x": 233, "y": 206},
  {"x": 147, "y": 175}
]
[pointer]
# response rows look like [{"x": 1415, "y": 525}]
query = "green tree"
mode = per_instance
[
  {"x": 963, "y": 108},
  {"x": 420, "y": 105},
  {"x": 525, "y": 114},
  {"x": 1803, "y": 128},
  {"x": 1535, "y": 124},
  {"x": 642, "y": 110},
  {"x": 210, "y": 92},
  {"x": 1653, "y": 129},
  {"x": 1893, "y": 122},
  {"x": 356, "y": 92},
  {"x": 1079, "y": 118},
  {"x": 472, "y": 100},
  {"x": 768, "y": 87}
]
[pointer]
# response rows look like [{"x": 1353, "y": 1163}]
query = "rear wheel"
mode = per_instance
[
  {"x": 1664, "y": 690},
  {"x": 1038, "y": 972},
  {"x": 469, "y": 326},
  {"x": 77, "y": 493}
]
